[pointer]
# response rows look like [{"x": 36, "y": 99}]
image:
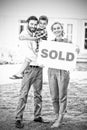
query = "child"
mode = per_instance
[
  {"x": 39, "y": 34},
  {"x": 41, "y": 30}
]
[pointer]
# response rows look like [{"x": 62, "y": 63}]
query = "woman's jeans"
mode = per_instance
[{"x": 58, "y": 83}]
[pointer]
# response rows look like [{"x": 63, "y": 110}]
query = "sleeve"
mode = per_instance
[
  {"x": 45, "y": 35},
  {"x": 24, "y": 35},
  {"x": 39, "y": 33}
]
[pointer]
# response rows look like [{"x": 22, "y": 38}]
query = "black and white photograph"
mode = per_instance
[{"x": 43, "y": 64}]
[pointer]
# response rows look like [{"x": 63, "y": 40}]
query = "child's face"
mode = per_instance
[
  {"x": 57, "y": 30},
  {"x": 42, "y": 24}
]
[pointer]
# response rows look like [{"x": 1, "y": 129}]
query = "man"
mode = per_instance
[{"x": 32, "y": 75}]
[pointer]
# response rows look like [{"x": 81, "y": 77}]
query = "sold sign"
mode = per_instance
[{"x": 59, "y": 55}]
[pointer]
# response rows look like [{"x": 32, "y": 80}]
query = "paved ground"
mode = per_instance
[{"x": 76, "y": 117}]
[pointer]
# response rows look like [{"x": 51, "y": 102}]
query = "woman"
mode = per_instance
[{"x": 58, "y": 80}]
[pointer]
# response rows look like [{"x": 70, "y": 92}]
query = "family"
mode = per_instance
[{"x": 31, "y": 73}]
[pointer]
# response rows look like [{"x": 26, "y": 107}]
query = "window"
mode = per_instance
[
  {"x": 22, "y": 25},
  {"x": 69, "y": 32},
  {"x": 21, "y": 28},
  {"x": 85, "y": 36}
]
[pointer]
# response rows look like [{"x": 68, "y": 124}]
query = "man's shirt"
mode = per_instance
[{"x": 31, "y": 45}]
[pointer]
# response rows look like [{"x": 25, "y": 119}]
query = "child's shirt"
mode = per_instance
[{"x": 42, "y": 33}]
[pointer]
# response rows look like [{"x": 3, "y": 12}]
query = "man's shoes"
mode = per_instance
[
  {"x": 40, "y": 119},
  {"x": 19, "y": 124}
]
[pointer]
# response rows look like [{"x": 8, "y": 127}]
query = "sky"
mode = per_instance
[{"x": 52, "y": 8}]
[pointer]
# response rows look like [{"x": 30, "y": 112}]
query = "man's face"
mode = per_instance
[
  {"x": 42, "y": 24},
  {"x": 32, "y": 25}
]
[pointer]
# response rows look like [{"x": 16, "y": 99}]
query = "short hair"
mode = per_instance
[
  {"x": 43, "y": 17},
  {"x": 60, "y": 25},
  {"x": 32, "y": 18}
]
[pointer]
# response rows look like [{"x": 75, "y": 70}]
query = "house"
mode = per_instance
[
  {"x": 72, "y": 14},
  {"x": 75, "y": 30}
]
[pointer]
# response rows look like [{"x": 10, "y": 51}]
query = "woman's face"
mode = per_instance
[{"x": 57, "y": 30}]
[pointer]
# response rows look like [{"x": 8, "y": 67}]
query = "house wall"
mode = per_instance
[
  {"x": 10, "y": 28},
  {"x": 11, "y": 12}
]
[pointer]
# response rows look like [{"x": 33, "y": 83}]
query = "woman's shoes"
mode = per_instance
[{"x": 58, "y": 122}]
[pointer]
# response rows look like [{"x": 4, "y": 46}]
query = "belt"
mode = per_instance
[{"x": 33, "y": 66}]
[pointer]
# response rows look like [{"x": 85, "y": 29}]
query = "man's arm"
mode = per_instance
[{"x": 25, "y": 36}]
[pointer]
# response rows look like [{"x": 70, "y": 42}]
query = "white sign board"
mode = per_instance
[{"x": 59, "y": 55}]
